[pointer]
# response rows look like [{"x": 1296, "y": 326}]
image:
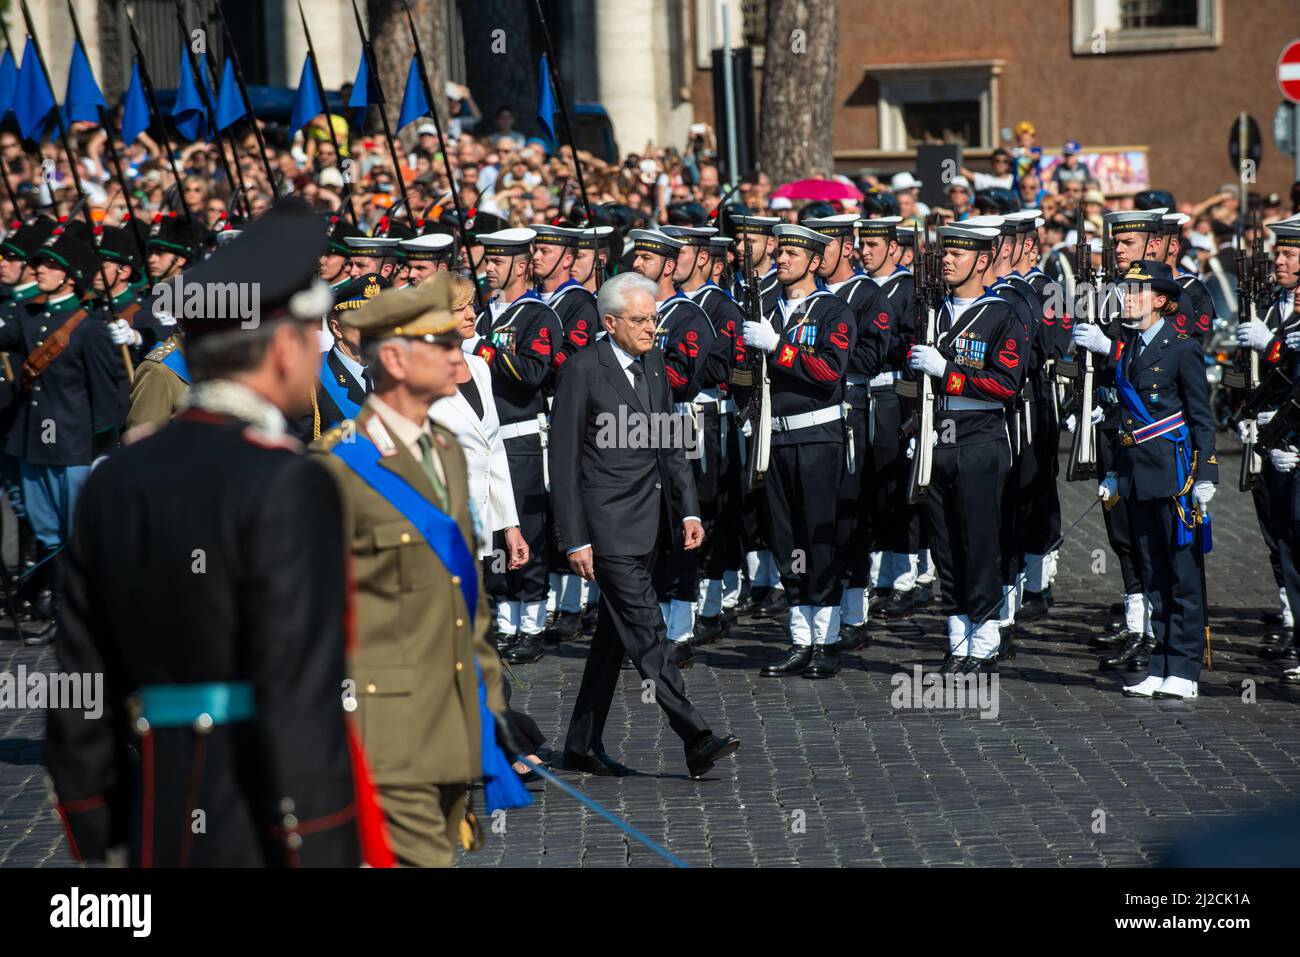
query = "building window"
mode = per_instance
[
  {"x": 937, "y": 103},
  {"x": 746, "y": 22},
  {"x": 1130, "y": 26}
]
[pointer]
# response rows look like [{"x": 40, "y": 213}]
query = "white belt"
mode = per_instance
[
  {"x": 884, "y": 379},
  {"x": 959, "y": 403},
  {"x": 806, "y": 420},
  {"x": 721, "y": 405},
  {"x": 855, "y": 378},
  {"x": 515, "y": 429}
]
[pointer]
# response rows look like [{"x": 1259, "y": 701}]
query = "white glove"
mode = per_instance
[
  {"x": 1284, "y": 460},
  {"x": 1071, "y": 423},
  {"x": 1293, "y": 340},
  {"x": 1090, "y": 337},
  {"x": 1109, "y": 488},
  {"x": 1265, "y": 417},
  {"x": 1243, "y": 430},
  {"x": 911, "y": 447},
  {"x": 1098, "y": 413},
  {"x": 123, "y": 334},
  {"x": 1203, "y": 492},
  {"x": 761, "y": 336},
  {"x": 1254, "y": 335},
  {"x": 747, "y": 428},
  {"x": 927, "y": 359}
]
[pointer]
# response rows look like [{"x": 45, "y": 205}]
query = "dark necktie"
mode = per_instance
[{"x": 637, "y": 368}]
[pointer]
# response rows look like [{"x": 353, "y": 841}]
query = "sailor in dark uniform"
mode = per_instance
[
  {"x": 861, "y": 523},
  {"x": 685, "y": 336},
  {"x": 517, "y": 337},
  {"x": 333, "y": 268},
  {"x": 1203, "y": 313},
  {"x": 808, "y": 336},
  {"x": 899, "y": 539},
  {"x": 372, "y": 255},
  {"x": 590, "y": 260},
  {"x": 977, "y": 367},
  {"x": 757, "y": 232},
  {"x": 229, "y": 746},
  {"x": 1165, "y": 469},
  {"x": 427, "y": 254},
  {"x": 388, "y": 228}
]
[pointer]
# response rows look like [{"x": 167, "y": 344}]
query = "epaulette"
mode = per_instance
[
  {"x": 161, "y": 351},
  {"x": 1183, "y": 335},
  {"x": 334, "y": 436},
  {"x": 271, "y": 440}
]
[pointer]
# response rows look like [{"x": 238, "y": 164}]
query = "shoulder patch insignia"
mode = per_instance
[
  {"x": 379, "y": 435},
  {"x": 161, "y": 351},
  {"x": 1212, "y": 460},
  {"x": 1183, "y": 335}
]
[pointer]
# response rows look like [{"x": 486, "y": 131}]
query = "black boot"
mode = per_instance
[
  {"x": 853, "y": 637},
  {"x": 679, "y": 653},
  {"x": 900, "y": 604},
  {"x": 1285, "y": 647},
  {"x": 526, "y": 650},
  {"x": 923, "y": 594},
  {"x": 750, "y": 597},
  {"x": 794, "y": 663},
  {"x": 1007, "y": 644},
  {"x": 954, "y": 664},
  {"x": 774, "y": 605},
  {"x": 503, "y": 641},
  {"x": 825, "y": 662},
  {"x": 708, "y": 628},
  {"x": 1111, "y": 640},
  {"x": 53, "y": 569},
  {"x": 1036, "y": 605},
  {"x": 980, "y": 666},
  {"x": 589, "y": 617},
  {"x": 566, "y": 626},
  {"x": 1134, "y": 656}
]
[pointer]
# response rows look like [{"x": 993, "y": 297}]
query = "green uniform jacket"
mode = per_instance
[{"x": 416, "y": 687}]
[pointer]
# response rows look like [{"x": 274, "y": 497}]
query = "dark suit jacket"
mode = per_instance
[{"x": 606, "y": 493}]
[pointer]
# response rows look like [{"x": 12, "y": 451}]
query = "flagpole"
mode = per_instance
[
  {"x": 234, "y": 146},
  {"x": 248, "y": 100},
  {"x": 147, "y": 83},
  {"x": 119, "y": 175},
  {"x": 372, "y": 71},
  {"x": 76, "y": 181},
  {"x": 196, "y": 75},
  {"x": 4, "y": 165},
  {"x": 564, "y": 110},
  {"x": 329, "y": 123},
  {"x": 442, "y": 147}
]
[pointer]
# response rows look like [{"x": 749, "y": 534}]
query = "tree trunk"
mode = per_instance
[
  {"x": 798, "y": 90},
  {"x": 390, "y": 35},
  {"x": 501, "y": 61}
]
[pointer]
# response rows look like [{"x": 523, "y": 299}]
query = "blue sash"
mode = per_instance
[
  {"x": 502, "y": 788},
  {"x": 338, "y": 393},
  {"x": 175, "y": 360},
  {"x": 1131, "y": 400}
]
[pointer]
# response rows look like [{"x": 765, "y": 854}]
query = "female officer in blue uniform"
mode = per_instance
[{"x": 1165, "y": 468}]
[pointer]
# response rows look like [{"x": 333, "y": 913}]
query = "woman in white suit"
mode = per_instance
[{"x": 472, "y": 414}]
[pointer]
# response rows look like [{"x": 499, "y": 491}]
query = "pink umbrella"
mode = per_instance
[{"x": 818, "y": 190}]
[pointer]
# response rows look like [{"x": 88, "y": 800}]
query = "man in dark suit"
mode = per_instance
[{"x": 619, "y": 498}]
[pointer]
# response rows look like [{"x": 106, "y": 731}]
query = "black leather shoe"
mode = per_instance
[
  {"x": 1111, "y": 640},
  {"x": 679, "y": 653},
  {"x": 1271, "y": 637},
  {"x": 729, "y": 616},
  {"x": 1285, "y": 646},
  {"x": 953, "y": 664},
  {"x": 900, "y": 604},
  {"x": 1006, "y": 646},
  {"x": 597, "y": 762},
  {"x": 590, "y": 614},
  {"x": 566, "y": 626},
  {"x": 701, "y": 758},
  {"x": 980, "y": 666},
  {"x": 923, "y": 595},
  {"x": 853, "y": 637},
  {"x": 794, "y": 663},
  {"x": 751, "y": 598},
  {"x": 1134, "y": 656},
  {"x": 774, "y": 605},
  {"x": 526, "y": 650},
  {"x": 1272, "y": 618},
  {"x": 42, "y": 637},
  {"x": 503, "y": 641},
  {"x": 707, "y": 629},
  {"x": 879, "y": 594},
  {"x": 825, "y": 662},
  {"x": 1035, "y": 606}
]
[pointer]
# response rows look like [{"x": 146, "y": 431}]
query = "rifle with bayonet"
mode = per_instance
[
  {"x": 1089, "y": 284},
  {"x": 1252, "y": 289},
  {"x": 759, "y": 407},
  {"x": 927, "y": 268}
]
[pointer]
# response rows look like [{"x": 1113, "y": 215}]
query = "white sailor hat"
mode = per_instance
[
  {"x": 654, "y": 241},
  {"x": 690, "y": 235},
  {"x": 965, "y": 236},
  {"x": 1172, "y": 223},
  {"x": 791, "y": 234},
  {"x": 591, "y": 238},
  {"x": 506, "y": 242},
  {"x": 883, "y": 226},
  {"x": 756, "y": 224},
  {"x": 838, "y": 225},
  {"x": 372, "y": 245},
  {"x": 718, "y": 246},
  {"x": 1003, "y": 224},
  {"x": 1027, "y": 220},
  {"x": 1286, "y": 234},
  {"x": 557, "y": 235},
  {"x": 428, "y": 246},
  {"x": 1136, "y": 220}
]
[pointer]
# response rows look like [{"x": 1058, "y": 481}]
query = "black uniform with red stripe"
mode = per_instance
[
  {"x": 984, "y": 343},
  {"x": 684, "y": 334},
  {"x": 178, "y": 575},
  {"x": 576, "y": 308},
  {"x": 806, "y": 370},
  {"x": 1199, "y": 306},
  {"x": 901, "y": 531},
  {"x": 519, "y": 343},
  {"x": 718, "y": 478},
  {"x": 864, "y": 505}
]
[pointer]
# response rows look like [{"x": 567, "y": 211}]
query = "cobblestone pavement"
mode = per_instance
[{"x": 1069, "y": 772}]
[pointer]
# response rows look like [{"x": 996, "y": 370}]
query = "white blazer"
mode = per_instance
[{"x": 489, "y": 471}]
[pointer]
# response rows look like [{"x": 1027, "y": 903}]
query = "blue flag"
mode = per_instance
[
  {"x": 230, "y": 104},
  {"x": 135, "y": 108},
  {"x": 363, "y": 88},
  {"x": 546, "y": 102},
  {"x": 306, "y": 102},
  {"x": 83, "y": 99},
  {"x": 414, "y": 103},
  {"x": 188, "y": 113},
  {"x": 8, "y": 81},
  {"x": 33, "y": 98}
]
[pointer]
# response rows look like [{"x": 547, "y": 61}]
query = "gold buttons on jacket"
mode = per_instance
[
  {"x": 455, "y": 579},
  {"x": 460, "y": 622},
  {"x": 459, "y": 666},
  {"x": 371, "y": 688},
  {"x": 406, "y": 538}
]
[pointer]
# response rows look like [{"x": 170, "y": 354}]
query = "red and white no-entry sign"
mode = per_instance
[{"x": 1288, "y": 71}]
